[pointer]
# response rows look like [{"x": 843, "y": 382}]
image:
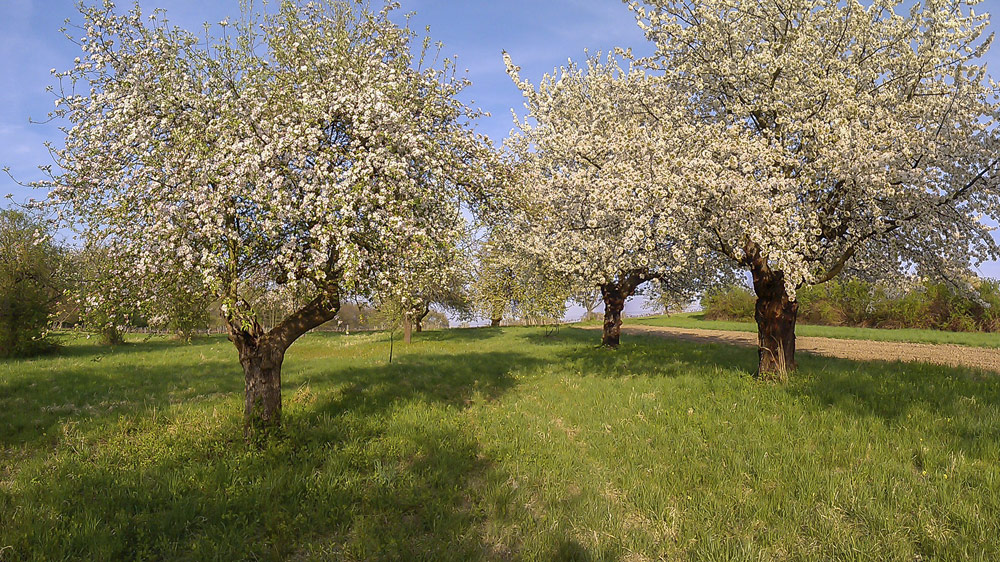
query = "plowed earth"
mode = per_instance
[{"x": 856, "y": 350}]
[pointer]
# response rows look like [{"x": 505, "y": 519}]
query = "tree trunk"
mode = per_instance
[
  {"x": 261, "y": 361},
  {"x": 775, "y": 315},
  {"x": 419, "y": 320},
  {"x": 407, "y": 329},
  {"x": 614, "y": 304},
  {"x": 495, "y": 322},
  {"x": 261, "y": 354},
  {"x": 614, "y": 294}
]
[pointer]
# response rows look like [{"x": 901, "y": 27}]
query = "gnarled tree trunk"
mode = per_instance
[
  {"x": 495, "y": 322},
  {"x": 418, "y": 323},
  {"x": 775, "y": 315},
  {"x": 262, "y": 353},
  {"x": 261, "y": 359},
  {"x": 614, "y": 304},
  {"x": 614, "y": 295}
]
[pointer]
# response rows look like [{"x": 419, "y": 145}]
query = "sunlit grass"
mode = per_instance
[{"x": 498, "y": 445}]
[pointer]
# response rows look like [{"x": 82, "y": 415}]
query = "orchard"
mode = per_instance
[
  {"x": 514, "y": 319},
  {"x": 311, "y": 154}
]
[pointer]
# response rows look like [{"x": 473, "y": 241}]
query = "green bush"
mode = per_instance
[
  {"x": 860, "y": 304},
  {"x": 30, "y": 284},
  {"x": 989, "y": 292},
  {"x": 729, "y": 303}
]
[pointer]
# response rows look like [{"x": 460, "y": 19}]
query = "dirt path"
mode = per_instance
[{"x": 857, "y": 350}]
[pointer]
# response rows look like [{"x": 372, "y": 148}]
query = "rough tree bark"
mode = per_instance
[
  {"x": 262, "y": 353},
  {"x": 261, "y": 358},
  {"x": 775, "y": 315},
  {"x": 495, "y": 322},
  {"x": 407, "y": 328},
  {"x": 418, "y": 323},
  {"x": 614, "y": 304},
  {"x": 614, "y": 295}
]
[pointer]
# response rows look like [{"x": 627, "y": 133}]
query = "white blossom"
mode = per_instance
[
  {"x": 599, "y": 156},
  {"x": 301, "y": 154},
  {"x": 838, "y": 136}
]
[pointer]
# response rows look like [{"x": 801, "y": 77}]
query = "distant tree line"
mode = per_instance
[
  {"x": 46, "y": 286},
  {"x": 857, "y": 303}
]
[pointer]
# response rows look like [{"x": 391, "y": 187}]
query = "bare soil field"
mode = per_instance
[{"x": 857, "y": 350}]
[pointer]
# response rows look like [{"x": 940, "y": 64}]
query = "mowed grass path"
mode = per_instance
[
  {"x": 697, "y": 320},
  {"x": 496, "y": 445}
]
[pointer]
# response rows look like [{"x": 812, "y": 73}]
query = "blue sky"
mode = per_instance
[{"x": 539, "y": 34}]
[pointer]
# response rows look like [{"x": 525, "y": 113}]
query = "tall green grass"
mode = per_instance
[{"x": 495, "y": 445}]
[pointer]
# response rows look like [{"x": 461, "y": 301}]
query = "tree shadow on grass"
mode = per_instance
[
  {"x": 888, "y": 390},
  {"x": 448, "y": 380},
  {"x": 966, "y": 399},
  {"x": 373, "y": 461},
  {"x": 963, "y": 402},
  {"x": 456, "y": 334},
  {"x": 883, "y": 389},
  {"x": 433, "y": 491},
  {"x": 32, "y": 407},
  {"x": 557, "y": 335},
  {"x": 376, "y": 462},
  {"x": 73, "y": 345},
  {"x": 415, "y": 490},
  {"x": 651, "y": 355}
]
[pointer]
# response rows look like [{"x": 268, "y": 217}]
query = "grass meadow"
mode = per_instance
[
  {"x": 495, "y": 444},
  {"x": 697, "y": 320}
]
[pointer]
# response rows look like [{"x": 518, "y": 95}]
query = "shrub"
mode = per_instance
[
  {"x": 30, "y": 284},
  {"x": 989, "y": 292},
  {"x": 729, "y": 303},
  {"x": 860, "y": 304}
]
